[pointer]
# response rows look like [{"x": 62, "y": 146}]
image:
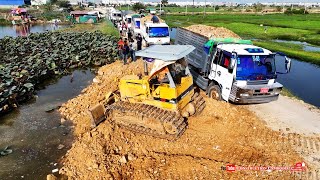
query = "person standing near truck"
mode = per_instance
[
  {"x": 129, "y": 34},
  {"x": 139, "y": 42},
  {"x": 125, "y": 52},
  {"x": 132, "y": 50},
  {"x": 120, "y": 47}
]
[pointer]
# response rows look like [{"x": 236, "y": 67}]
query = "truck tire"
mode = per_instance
[
  {"x": 214, "y": 92},
  {"x": 145, "y": 43}
]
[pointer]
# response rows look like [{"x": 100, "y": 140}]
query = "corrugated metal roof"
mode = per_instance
[
  {"x": 79, "y": 12},
  {"x": 166, "y": 52}
]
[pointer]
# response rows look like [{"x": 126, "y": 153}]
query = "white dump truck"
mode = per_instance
[
  {"x": 154, "y": 30},
  {"x": 116, "y": 16},
  {"x": 128, "y": 20},
  {"x": 232, "y": 69},
  {"x": 136, "y": 26}
]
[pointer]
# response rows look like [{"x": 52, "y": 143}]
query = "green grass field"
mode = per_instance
[
  {"x": 105, "y": 27},
  {"x": 305, "y": 28},
  {"x": 279, "y": 26},
  {"x": 292, "y": 50}
]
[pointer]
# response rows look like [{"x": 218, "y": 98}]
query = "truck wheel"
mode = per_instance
[
  {"x": 214, "y": 92},
  {"x": 145, "y": 43}
]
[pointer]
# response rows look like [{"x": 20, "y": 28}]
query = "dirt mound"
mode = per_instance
[
  {"x": 148, "y": 19},
  {"x": 223, "y": 134},
  {"x": 214, "y": 32}
]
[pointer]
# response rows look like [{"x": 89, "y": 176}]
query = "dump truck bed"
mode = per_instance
[{"x": 197, "y": 58}]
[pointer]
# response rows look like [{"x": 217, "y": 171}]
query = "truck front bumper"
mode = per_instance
[
  {"x": 256, "y": 99},
  {"x": 252, "y": 94}
]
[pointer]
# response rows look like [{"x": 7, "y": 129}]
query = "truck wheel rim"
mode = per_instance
[{"x": 214, "y": 94}]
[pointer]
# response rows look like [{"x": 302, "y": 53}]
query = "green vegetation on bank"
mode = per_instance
[
  {"x": 288, "y": 93},
  {"x": 106, "y": 27},
  {"x": 4, "y": 22},
  {"x": 278, "y": 26},
  {"x": 292, "y": 50}
]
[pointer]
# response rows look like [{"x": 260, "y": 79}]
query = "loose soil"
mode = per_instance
[
  {"x": 222, "y": 134},
  {"x": 212, "y": 32}
]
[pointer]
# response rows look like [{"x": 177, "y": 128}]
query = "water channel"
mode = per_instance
[{"x": 33, "y": 134}]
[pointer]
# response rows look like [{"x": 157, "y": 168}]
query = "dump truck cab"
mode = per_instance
[
  {"x": 155, "y": 31},
  {"x": 116, "y": 16},
  {"x": 232, "y": 69},
  {"x": 135, "y": 26},
  {"x": 245, "y": 73},
  {"x": 128, "y": 20}
]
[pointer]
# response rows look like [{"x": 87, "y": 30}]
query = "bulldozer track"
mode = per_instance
[
  {"x": 310, "y": 144},
  {"x": 148, "y": 111},
  {"x": 199, "y": 102},
  {"x": 170, "y": 118}
]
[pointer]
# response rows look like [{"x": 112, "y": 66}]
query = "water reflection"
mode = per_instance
[
  {"x": 306, "y": 46},
  {"x": 24, "y": 30},
  {"x": 35, "y": 134}
]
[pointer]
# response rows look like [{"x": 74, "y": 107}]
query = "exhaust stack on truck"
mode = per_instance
[{"x": 232, "y": 69}]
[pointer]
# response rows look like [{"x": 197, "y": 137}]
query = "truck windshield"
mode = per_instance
[
  {"x": 255, "y": 67},
  {"x": 137, "y": 24},
  {"x": 158, "y": 31}
]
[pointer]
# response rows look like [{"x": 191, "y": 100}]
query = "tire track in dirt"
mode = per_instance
[{"x": 223, "y": 133}]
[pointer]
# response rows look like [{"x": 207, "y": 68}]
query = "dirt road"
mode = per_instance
[
  {"x": 290, "y": 115},
  {"x": 222, "y": 134},
  {"x": 299, "y": 121}
]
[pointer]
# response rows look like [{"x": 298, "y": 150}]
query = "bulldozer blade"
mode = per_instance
[{"x": 97, "y": 114}]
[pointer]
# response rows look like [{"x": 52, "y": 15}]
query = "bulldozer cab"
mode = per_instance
[
  {"x": 170, "y": 80},
  {"x": 170, "y": 75}
]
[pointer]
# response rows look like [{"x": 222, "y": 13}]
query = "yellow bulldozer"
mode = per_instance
[{"x": 156, "y": 103}]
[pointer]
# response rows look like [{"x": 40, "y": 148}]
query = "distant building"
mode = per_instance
[{"x": 38, "y": 2}]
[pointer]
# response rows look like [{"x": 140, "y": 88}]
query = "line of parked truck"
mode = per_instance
[
  {"x": 152, "y": 29},
  {"x": 229, "y": 69}
]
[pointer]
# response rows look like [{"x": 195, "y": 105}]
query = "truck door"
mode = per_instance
[{"x": 221, "y": 74}]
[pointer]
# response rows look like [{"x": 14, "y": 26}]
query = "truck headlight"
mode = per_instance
[{"x": 277, "y": 91}]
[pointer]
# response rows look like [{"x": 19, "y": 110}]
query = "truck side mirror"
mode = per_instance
[{"x": 287, "y": 62}]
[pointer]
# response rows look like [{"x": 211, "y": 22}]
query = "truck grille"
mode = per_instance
[
  {"x": 258, "y": 82},
  {"x": 233, "y": 93}
]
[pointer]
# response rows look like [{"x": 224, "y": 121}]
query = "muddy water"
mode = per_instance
[
  {"x": 34, "y": 134},
  {"x": 15, "y": 31}
]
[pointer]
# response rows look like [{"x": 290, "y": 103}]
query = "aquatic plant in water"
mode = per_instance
[{"x": 27, "y": 61}]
